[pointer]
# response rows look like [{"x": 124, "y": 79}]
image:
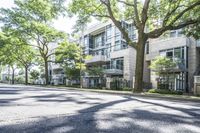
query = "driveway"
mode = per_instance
[{"x": 39, "y": 110}]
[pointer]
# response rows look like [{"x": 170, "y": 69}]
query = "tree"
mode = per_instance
[
  {"x": 25, "y": 56},
  {"x": 6, "y": 57},
  {"x": 95, "y": 71},
  {"x": 70, "y": 55},
  {"x": 34, "y": 74},
  {"x": 33, "y": 19},
  {"x": 163, "y": 65},
  {"x": 10, "y": 61},
  {"x": 151, "y": 18},
  {"x": 17, "y": 49}
]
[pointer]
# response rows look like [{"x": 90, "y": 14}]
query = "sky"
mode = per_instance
[{"x": 63, "y": 23}]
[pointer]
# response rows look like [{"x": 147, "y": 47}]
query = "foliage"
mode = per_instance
[
  {"x": 19, "y": 79},
  {"x": 162, "y": 64},
  {"x": 193, "y": 31},
  {"x": 32, "y": 20},
  {"x": 72, "y": 72},
  {"x": 34, "y": 74},
  {"x": 70, "y": 55},
  {"x": 158, "y": 16},
  {"x": 16, "y": 51},
  {"x": 127, "y": 89},
  {"x": 95, "y": 71},
  {"x": 165, "y": 91}
]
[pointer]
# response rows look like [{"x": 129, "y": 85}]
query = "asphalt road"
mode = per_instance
[{"x": 40, "y": 110}]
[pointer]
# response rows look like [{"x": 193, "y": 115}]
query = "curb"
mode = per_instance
[{"x": 126, "y": 93}]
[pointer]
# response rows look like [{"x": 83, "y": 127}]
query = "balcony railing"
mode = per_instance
[
  {"x": 96, "y": 58},
  {"x": 56, "y": 66},
  {"x": 113, "y": 71},
  {"x": 56, "y": 76}
]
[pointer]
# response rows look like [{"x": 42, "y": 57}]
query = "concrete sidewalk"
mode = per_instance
[
  {"x": 129, "y": 93},
  {"x": 144, "y": 94}
]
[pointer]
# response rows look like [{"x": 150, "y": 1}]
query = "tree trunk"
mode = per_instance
[
  {"x": 13, "y": 76},
  {"x": 138, "y": 85},
  {"x": 46, "y": 71},
  {"x": 26, "y": 75}
]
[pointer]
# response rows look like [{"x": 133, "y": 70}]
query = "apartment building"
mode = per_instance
[
  {"x": 109, "y": 50},
  {"x": 184, "y": 50}
]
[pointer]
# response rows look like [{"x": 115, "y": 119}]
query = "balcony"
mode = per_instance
[
  {"x": 57, "y": 76},
  {"x": 56, "y": 66},
  {"x": 96, "y": 59},
  {"x": 113, "y": 71}
]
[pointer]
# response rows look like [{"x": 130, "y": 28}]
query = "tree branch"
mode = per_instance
[
  {"x": 169, "y": 13},
  {"x": 100, "y": 16},
  {"x": 119, "y": 26},
  {"x": 126, "y": 3},
  {"x": 138, "y": 22},
  {"x": 184, "y": 11},
  {"x": 156, "y": 33},
  {"x": 145, "y": 11}
]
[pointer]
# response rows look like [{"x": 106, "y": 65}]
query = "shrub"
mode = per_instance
[
  {"x": 165, "y": 91},
  {"x": 127, "y": 89}
]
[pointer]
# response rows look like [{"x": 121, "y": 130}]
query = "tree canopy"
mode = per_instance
[
  {"x": 70, "y": 55},
  {"x": 32, "y": 20}
]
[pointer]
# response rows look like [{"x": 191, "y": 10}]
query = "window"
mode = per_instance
[
  {"x": 179, "y": 32},
  {"x": 169, "y": 54},
  {"x": 86, "y": 44},
  {"x": 173, "y": 34},
  {"x": 117, "y": 46},
  {"x": 117, "y": 63},
  {"x": 131, "y": 32},
  {"x": 117, "y": 34},
  {"x": 99, "y": 40},
  {"x": 107, "y": 51},
  {"x": 177, "y": 53},
  {"x": 108, "y": 33}
]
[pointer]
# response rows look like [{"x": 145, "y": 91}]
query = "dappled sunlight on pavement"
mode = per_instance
[{"x": 36, "y": 109}]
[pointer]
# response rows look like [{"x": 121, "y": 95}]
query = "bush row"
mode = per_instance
[{"x": 165, "y": 91}]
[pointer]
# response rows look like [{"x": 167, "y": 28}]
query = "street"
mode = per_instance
[{"x": 36, "y": 109}]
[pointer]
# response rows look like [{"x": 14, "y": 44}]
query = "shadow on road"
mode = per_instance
[{"x": 102, "y": 118}]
